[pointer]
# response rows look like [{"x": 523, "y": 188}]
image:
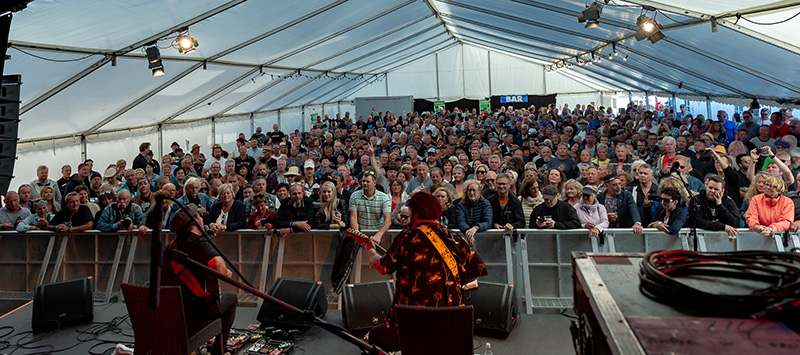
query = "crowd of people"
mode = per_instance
[{"x": 548, "y": 168}]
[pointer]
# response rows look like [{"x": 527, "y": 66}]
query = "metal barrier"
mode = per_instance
[{"x": 538, "y": 262}]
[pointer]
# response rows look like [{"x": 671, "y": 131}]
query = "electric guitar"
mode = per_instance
[{"x": 362, "y": 238}]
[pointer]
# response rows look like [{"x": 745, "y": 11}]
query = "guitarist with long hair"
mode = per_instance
[
  {"x": 201, "y": 297},
  {"x": 431, "y": 264}
]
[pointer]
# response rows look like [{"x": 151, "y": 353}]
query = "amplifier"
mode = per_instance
[
  {"x": 495, "y": 307},
  {"x": 63, "y": 303},
  {"x": 366, "y": 305}
]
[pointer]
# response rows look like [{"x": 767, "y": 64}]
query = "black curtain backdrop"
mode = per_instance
[
  {"x": 463, "y": 105},
  {"x": 536, "y": 100},
  {"x": 422, "y": 105}
]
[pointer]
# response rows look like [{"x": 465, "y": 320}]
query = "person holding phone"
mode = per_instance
[{"x": 553, "y": 213}]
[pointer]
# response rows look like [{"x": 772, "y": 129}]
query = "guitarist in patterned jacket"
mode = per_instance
[{"x": 432, "y": 266}]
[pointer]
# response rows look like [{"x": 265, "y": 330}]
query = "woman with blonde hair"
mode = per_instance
[
  {"x": 329, "y": 212},
  {"x": 449, "y": 211},
  {"x": 458, "y": 180},
  {"x": 771, "y": 211},
  {"x": 572, "y": 192},
  {"x": 47, "y": 194}
]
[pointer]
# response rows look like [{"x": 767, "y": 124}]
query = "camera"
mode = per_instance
[
  {"x": 264, "y": 221},
  {"x": 126, "y": 222},
  {"x": 764, "y": 151}
]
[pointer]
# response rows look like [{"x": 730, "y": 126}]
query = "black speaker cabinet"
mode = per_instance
[
  {"x": 367, "y": 304},
  {"x": 61, "y": 304},
  {"x": 303, "y": 294},
  {"x": 495, "y": 307}
]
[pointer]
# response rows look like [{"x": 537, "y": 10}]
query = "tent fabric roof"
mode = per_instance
[{"x": 84, "y": 69}]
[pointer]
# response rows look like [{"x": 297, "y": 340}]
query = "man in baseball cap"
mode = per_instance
[{"x": 554, "y": 214}]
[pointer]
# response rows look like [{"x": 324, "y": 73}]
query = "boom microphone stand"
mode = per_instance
[
  {"x": 308, "y": 316},
  {"x": 693, "y": 223}
]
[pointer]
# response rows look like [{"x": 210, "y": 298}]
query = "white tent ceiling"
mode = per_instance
[{"x": 84, "y": 70}]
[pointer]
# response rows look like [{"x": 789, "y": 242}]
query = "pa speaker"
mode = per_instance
[
  {"x": 63, "y": 303},
  {"x": 495, "y": 307},
  {"x": 302, "y": 294},
  {"x": 366, "y": 305},
  {"x": 9, "y": 125}
]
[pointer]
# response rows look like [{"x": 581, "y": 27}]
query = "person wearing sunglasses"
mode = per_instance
[
  {"x": 670, "y": 215},
  {"x": 770, "y": 212},
  {"x": 592, "y": 214}
]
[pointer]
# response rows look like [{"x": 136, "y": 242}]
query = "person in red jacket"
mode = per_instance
[{"x": 770, "y": 212}]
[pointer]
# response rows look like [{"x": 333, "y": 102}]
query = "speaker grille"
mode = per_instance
[
  {"x": 367, "y": 304},
  {"x": 62, "y": 303},
  {"x": 302, "y": 294},
  {"x": 495, "y": 306}
]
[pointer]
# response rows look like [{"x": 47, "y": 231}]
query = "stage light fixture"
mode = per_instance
[
  {"x": 591, "y": 15},
  {"x": 648, "y": 28},
  {"x": 154, "y": 60},
  {"x": 184, "y": 42}
]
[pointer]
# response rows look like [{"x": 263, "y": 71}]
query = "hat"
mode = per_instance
[
  {"x": 610, "y": 177},
  {"x": 549, "y": 192},
  {"x": 708, "y": 134},
  {"x": 195, "y": 146},
  {"x": 615, "y": 123},
  {"x": 183, "y": 217},
  {"x": 583, "y": 122},
  {"x": 174, "y": 143},
  {"x": 494, "y": 140},
  {"x": 282, "y": 144},
  {"x": 109, "y": 173},
  {"x": 258, "y": 129},
  {"x": 394, "y": 146},
  {"x": 433, "y": 150},
  {"x": 782, "y": 144},
  {"x": 309, "y": 164},
  {"x": 325, "y": 177},
  {"x": 215, "y": 146},
  {"x": 425, "y": 205},
  {"x": 589, "y": 190},
  {"x": 620, "y": 131},
  {"x": 721, "y": 148},
  {"x": 293, "y": 171}
]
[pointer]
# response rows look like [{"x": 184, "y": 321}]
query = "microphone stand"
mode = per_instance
[
  {"x": 156, "y": 246},
  {"x": 366, "y": 348},
  {"x": 693, "y": 223}
]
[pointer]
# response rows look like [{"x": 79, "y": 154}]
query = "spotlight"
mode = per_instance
[
  {"x": 610, "y": 56},
  {"x": 154, "y": 60},
  {"x": 625, "y": 59},
  {"x": 184, "y": 42},
  {"x": 591, "y": 15},
  {"x": 648, "y": 28}
]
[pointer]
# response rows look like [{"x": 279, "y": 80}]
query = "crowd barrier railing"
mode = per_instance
[{"x": 538, "y": 262}]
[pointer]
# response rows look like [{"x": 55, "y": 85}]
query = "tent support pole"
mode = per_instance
[
  {"x": 84, "y": 153},
  {"x": 213, "y": 131},
  {"x": 279, "y": 120},
  {"x": 386, "y": 80},
  {"x": 252, "y": 123},
  {"x": 489, "y": 69},
  {"x": 303, "y": 117},
  {"x": 647, "y": 100},
  {"x": 160, "y": 140},
  {"x": 438, "y": 96},
  {"x": 708, "y": 107},
  {"x": 675, "y": 103}
]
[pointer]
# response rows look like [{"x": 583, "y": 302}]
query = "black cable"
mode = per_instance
[
  {"x": 55, "y": 60},
  {"x": 766, "y": 23},
  {"x": 780, "y": 270}
]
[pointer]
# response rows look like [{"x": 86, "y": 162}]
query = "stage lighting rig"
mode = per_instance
[
  {"x": 591, "y": 15},
  {"x": 649, "y": 28},
  {"x": 184, "y": 42},
  {"x": 154, "y": 60}
]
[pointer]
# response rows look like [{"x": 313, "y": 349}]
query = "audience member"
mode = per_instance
[
  {"x": 553, "y": 213},
  {"x": 592, "y": 215}
]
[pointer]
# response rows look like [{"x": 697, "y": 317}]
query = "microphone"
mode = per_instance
[
  {"x": 156, "y": 250},
  {"x": 675, "y": 166}
]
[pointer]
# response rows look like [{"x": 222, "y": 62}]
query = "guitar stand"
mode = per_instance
[{"x": 366, "y": 348}]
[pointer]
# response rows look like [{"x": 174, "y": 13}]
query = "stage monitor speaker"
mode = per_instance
[
  {"x": 60, "y": 304},
  {"x": 495, "y": 307},
  {"x": 367, "y": 304},
  {"x": 303, "y": 294}
]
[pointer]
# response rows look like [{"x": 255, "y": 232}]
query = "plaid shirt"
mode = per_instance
[{"x": 370, "y": 210}]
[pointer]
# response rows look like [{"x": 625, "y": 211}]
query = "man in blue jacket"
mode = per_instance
[{"x": 120, "y": 215}]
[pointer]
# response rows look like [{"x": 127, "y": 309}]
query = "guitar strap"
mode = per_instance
[
  {"x": 188, "y": 279},
  {"x": 437, "y": 242}
]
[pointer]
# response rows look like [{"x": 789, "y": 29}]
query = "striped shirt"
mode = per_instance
[{"x": 370, "y": 210}]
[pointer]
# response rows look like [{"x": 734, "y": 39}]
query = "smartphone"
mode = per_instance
[
  {"x": 548, "y": 218},
  {"x": 764, "y": 151}
]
